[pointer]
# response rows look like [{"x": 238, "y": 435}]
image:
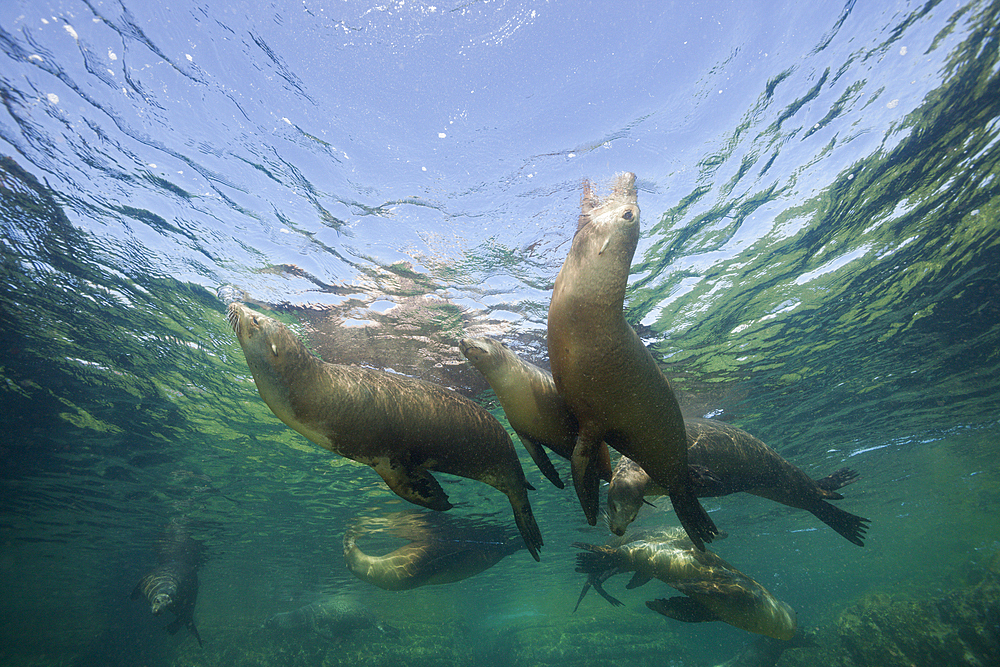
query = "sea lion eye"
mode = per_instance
[{"x": 627, "y": 215}]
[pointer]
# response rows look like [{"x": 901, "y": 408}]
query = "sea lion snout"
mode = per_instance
[{"x": 160, "y": 603}]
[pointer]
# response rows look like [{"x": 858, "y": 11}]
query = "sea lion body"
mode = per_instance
[
  {"x": 400, "y": 426},
  {"x": 738, "y": 462},
  {"x": 433, "y": 557},
  {"x": 534, "y": 408},
  {"x": 333, "y": 618},
  {"x": 715, "y": 590},
  {"x": 173, "y": 584},
  {"x": 608, "y": 378}
]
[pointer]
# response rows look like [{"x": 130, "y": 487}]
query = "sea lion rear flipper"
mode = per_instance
[
  {"x": 583, "y": 594},
  {"x": 541, "y": 459},
  {"x": 615, "y": 602},
  {"x": 415, "y": 485},
  {"x": 683, "y": 609},
  {"x": 706, "y": 483},
  {"x": 586, "y": 475},
  {"x": 836, "y": 480},
  {"x": 638, "y": 579},
  {"x": 693, "y": 517},
  {"x": 849, "y": 525}
]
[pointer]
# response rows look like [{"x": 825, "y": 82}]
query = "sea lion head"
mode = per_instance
[
  {"x": 612, "y": 221},
  {"x": 274, "y": 356},
  {"x": 625, "y": 495},
  {"x": 161, "y": 602},
  {"x": 485, "y": 354}
]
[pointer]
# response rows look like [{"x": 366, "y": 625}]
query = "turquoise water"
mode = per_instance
[{"x": 818, "y": 266}]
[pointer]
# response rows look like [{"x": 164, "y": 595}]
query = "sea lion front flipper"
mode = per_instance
[
  {"x": 541, "y": 459},
  {"x": 415, "y": 485},
  {"x": 137, "y": 591},
  {"x": 194, "y": 631},
  {"x": 682, "y": 609},
  {"x": 586, "y": 476},
  {"x": 693, "y": 517},
  {"x": 638, "y": 579},
  {"x": 525, "y": 520}
]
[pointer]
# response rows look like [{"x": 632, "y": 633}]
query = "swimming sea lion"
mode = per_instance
[
  {"x": 332, "y": 618},
  {"x": 173, "y": 585},
  {"x": 608, "y": 378},
  {"x": 436, "y": 554},
  {"x": 400, "y": 426},
  {"x": 737, "y": 462},
  {"x": 715, "y": 590},
  {"x": 535, "y": 410},
  {"x": 765, "y": 651}
]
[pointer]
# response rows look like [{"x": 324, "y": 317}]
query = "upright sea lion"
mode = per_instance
[
  {"x": 604, "y": 372},
  {"x": 535, "y": 410},
  {"x": 737, "y": 462},
  {"x": 437, "y": 553},
  {"x": 400, "y": 426},
  {"x": 173, "y": 584},
  {"x": 715, "y": 590}
]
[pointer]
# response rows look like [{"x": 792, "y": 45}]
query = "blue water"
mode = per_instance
[{"x": 818, "y": 266}]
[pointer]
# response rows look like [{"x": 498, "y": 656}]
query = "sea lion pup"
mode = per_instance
[
  {"x": 608, "y": 378},
  {"x": 535, "y": 410},
  {"x": 437, "y": 553},
  {"x": 400, "y": 426},
  {"x": 173, "y": 585},
  {"x": 738, "y": 462},
  {"x": 715, "y": 590}
]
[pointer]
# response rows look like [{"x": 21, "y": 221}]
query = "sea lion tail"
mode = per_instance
[
  {"x": 693, "y": 517},
  {"x": 849, "y": 525}
]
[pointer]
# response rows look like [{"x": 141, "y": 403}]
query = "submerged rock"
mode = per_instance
[{"x": 961, "y": 628}]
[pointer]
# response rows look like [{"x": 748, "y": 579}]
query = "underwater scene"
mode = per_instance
[{"x": 499, "y": 333}]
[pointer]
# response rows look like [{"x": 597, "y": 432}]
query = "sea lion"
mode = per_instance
[
  {"x": 332, "y": 618},
  {"x": 601, "y": 368},
  {"x": 173, "y": 584},
  {"x": 765, "y": 651},
  {"x": 715, "y": 590},
  {"x": 437, "y": 553},
  {"x": 737, "y": 462},
  {"x": 535, "y": 410},
  {"x": 400, "y": 426}
]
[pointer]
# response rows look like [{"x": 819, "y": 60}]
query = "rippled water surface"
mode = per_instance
[{"x": 818, "y": 265}]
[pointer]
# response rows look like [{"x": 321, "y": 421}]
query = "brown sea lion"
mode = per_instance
[
  {"x": 604, "y": 372},
  {"x": 737, "y": 462},
  {"x": 715, "y": 590},
  {"x": 400, "y": 426},
  {"x": 173, "y": 584},
  {"x": 535, "y": 410},
  {"x": 437, "y": 552}
]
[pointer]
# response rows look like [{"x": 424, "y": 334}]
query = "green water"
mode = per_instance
[{"x": 863, "y": 329}]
